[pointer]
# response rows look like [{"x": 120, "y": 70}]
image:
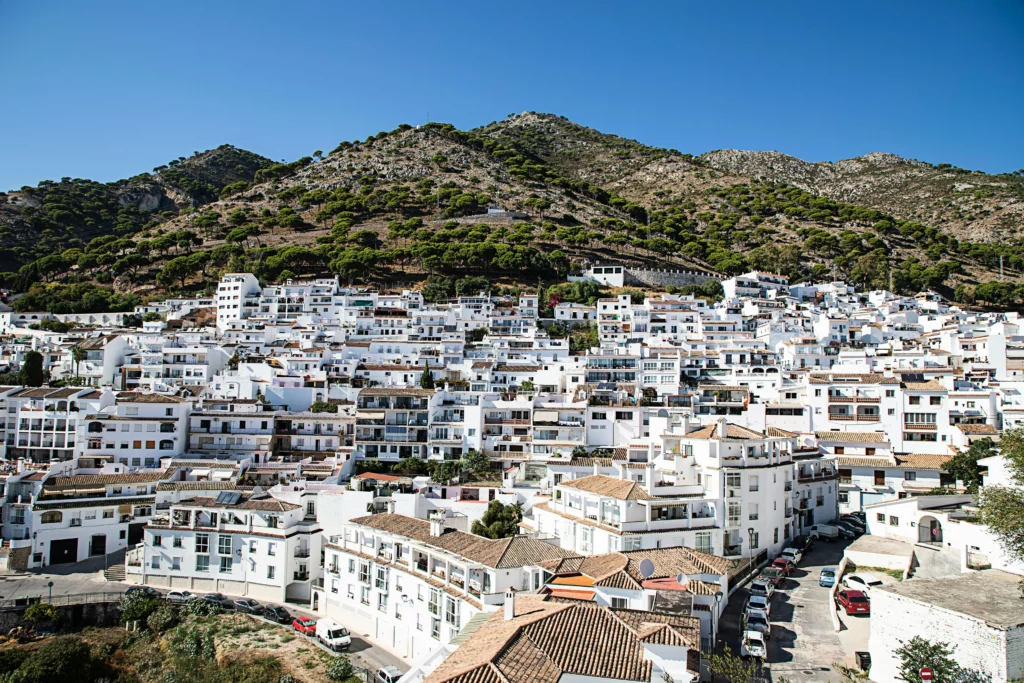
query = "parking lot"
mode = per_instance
[{"x": 803, "y": 645}]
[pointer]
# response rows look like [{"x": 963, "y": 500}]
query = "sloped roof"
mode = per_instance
[
  {"x": 547, "y": 640},
  {"x": 977, "y": 429},
  {"x": 504, "y": 553},
  {"x": 852, "y": 437},
  {"x": 930, "y": 385},
  {"x": 612, "y": 487},
  {"x": 923, "y": 461},
  {"x": 146, "y": 397},
  {"x": 732, "y": 431}
]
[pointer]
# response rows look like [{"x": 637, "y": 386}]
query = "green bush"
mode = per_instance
[
  {"x": 164, "y": 618},
  {"x": 201, "y": 608},
  {"x": 62, "y": 659},
  {"x": 137, "y": 606},
  {"x": 11, "y": 659},
  {"x": 43, "y": 613},
  {"x": 340, "y": 668}
]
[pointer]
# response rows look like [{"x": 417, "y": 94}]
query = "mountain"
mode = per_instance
[
  {"x": 56, "y": 215},
  {"x": 406, "y": 205}
]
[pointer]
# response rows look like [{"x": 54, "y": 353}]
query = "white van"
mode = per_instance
[
  {"x": 333, "y": 635},
  {"x": 824, "y": 531}
]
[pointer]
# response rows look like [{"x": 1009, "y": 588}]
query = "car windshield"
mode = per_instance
[{"x": 337, "y": 633}]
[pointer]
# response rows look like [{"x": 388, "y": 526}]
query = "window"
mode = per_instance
[
  {"x": 776, "y": 537},
  {"x": 935, "y": 400},
  {"x": 624, "y": 415},
  {"x": 156, "y": 562},
  {"x": 224, "y": 545},
  {"x": 51, "y": 517},
  {"x": 894, "y": 521},
  {"x": 435, "y": 628},
  {"x": 351, "y": 565},
  {"x": 890, "y": 393},
  {"x": 202, "y": 543},
  {"x": 734, "y": 514},
  {"x": 754, "y": 540},
  {"x": 158, "y": 542},
  {"x": 879, "y": 477},
  {"x": 108, "y": 514},
  {"x": 382, "y": 578},
  {"x": 270, "y": 572},
  {"x": 434, "y": 606},
  {"x": 880, "y": 517},
  {"x": 225, "y": 564},
  {"x": 910, "y": 476},
  {"x": 840, "y": 450},
  {"x": 364, "y": 595},
  {"x": 704, "y": 542},
  {"x": 914, "y": 400},
  {"x": 451, "y": 611},
  {"x": 176, "y": 563},
  {"x": 364, "y": 572},
  {"x": 382, "y": 602},
  {"x": 754, "y": 483},
  {"x": 599, "y": 416},
  {"x": 752, "y": 514},
  {"x": 271, "y": 549}
]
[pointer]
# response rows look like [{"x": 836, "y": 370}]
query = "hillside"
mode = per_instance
[
  {"x": 968, "y": 204},
  {"x": 410, "y": 205},
  {"x": 57, "y": 215}
]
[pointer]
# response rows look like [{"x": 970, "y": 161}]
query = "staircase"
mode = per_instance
[
  {"x": 931, "y": 562},
  {"x": 114, "y": 573}
]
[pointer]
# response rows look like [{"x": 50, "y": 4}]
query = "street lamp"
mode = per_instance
[
  {"x": 750, "y": 538},
  {"x": 718, "y": 601}
]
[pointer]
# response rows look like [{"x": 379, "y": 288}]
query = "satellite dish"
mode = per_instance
[
  {"x": 646, "y": 568},
  {"x": 683, "y": 580}
]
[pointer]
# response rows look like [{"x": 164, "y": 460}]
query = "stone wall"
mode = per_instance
[
  {"x": 663, "y": 278},
  {"x": 75, "y": 616}
]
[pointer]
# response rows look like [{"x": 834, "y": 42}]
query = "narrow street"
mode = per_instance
[{"x": 803, "y": 644}]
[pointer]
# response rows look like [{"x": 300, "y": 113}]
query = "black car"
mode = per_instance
[
  {"x": 145, "y": 590},
  {"x": 802, "y": 543},
  {"x": 247, "y": 606},
  {"x": 278, "y": 614},
  {"x": 218, "y": 600},
  {"x": 848, "y": 530}
]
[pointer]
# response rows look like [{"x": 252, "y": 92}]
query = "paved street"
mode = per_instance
[
  {"x": 87, "y": 577},
  {"x": 803, "y": 645}
]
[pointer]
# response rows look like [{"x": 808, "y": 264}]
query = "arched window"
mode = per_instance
[
  {"x": 95, "y": 427},
  {"x": 166, "y": 445},
  {"x": 52, "y": 517}
]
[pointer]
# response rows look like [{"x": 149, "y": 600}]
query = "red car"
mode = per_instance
[
  {"x": 854, "y": 602},
  {"x": 304, "y": 625},
  {"x": 783, "y": 565}
]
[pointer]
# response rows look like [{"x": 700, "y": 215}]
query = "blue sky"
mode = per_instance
[{"x": 109, "y": 89}]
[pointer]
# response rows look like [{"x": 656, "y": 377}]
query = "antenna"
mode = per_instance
[{"x": 646, "y": 568}]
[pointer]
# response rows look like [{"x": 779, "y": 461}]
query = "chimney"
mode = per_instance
[
  {"x": 597, "y": 468},
  {"x": 436, "y": 525},
  {"x": 21, "y": 466},
  {"x": 722, "y": 428},
  {"x": 510, "y": 603},
  {"x": 649, "y": 481},
  {"x": 391, "y": 506}
]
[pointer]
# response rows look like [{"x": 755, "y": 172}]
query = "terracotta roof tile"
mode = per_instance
[{"x": 612, "y": 487}]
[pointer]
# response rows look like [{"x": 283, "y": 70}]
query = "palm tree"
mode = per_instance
[{"x": 77, "y": 355}]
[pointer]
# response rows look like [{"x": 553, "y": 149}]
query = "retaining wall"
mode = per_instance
[{"x": 664, "y": 278}]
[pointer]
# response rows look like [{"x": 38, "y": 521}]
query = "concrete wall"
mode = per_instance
[{"x": 896, "y": 619}]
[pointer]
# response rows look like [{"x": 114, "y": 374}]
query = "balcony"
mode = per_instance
[
  {"x": 301, "y": 552},
  {"x": 926, "y": 426},
  {"x": 300, "y": 576},
  {"x": 804, "y": 504},
  {"x": 506, "y": 421}
]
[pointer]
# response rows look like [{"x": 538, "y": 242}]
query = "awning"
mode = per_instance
[
  {"x": 370, "y": 414},
  {"x": 545, "y": 416}
]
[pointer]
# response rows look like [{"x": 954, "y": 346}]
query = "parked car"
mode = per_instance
[
  {"x": 757, "y": 621},
  {"x": 179, "y": 597},
  {"x": 847, "y": 530},
  {"x": 775, "y": 576},
  {"x": 304, "y": 625},
  {"x": 333, "y": 635},
  {"x": 823, "y": 531},
  {"x": 802, "y": 543},
  {"x": 145, "y": 590},
  {"x": 753, "y": 645},
  {"x": 792, "y": 554},
  {"x": 762, "y": 587},
  {"x": 218, "y": 600},
  {"x": 827, "y": 577},
  {"x": 388, "y": 674},
  {"x": 861, "y": 582},
  {"x": 247, "y": 606},
  {"x": 758, "y": 603},
  {"x": 854, "y": 602},
  {"x": 277, "y": 614},
  {"x": 783, "y": 565},
  {"x": 854, "y": 522}
]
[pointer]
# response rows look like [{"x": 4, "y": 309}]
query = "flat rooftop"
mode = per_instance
[
  {"x": 991, "y": 595},
  {"x": 881, "y": 545}
]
